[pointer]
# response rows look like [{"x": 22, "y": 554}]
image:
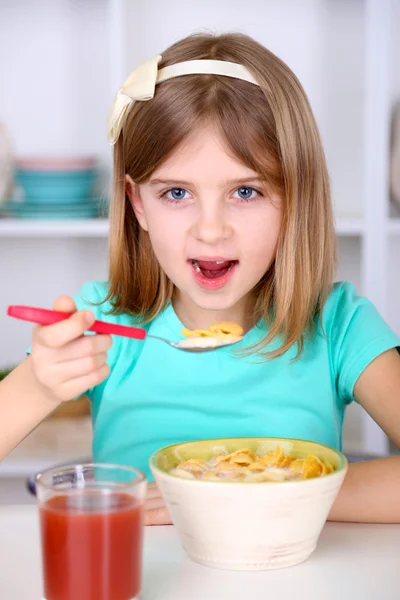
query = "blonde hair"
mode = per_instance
[{"x": 270, "y": 129}]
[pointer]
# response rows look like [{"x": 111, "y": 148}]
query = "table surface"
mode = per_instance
[{"x": 351, "y": 562}]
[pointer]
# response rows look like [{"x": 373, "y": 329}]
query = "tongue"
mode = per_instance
[
  {"x": 209, "y": 265},
  {"x": 212, "y": 270}
]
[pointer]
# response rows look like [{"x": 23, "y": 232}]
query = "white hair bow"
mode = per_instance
[{"x": 140, "y": 85}]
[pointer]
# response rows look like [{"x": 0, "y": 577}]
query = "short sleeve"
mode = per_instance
[
  {"x": 357, "y": 334},
  {"x": 91, "y": 297}
]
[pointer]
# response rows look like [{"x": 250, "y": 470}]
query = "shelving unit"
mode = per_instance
[
  {"x": 343, "y": 54},
  {"x": 19, "y": 228},
  {"x": 394, "y": 227}
]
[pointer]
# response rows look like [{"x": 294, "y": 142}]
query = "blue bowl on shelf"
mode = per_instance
[
  {"x": 49, "y": 187},
  {"x": 90, "y": 208}
]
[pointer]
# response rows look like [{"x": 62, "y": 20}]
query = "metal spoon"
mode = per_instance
[
  {"x": 199, "y": 344},
  {"x": 43, "y": 316}
]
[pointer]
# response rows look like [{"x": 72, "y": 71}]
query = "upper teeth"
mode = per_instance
[
  {"x": 217, "y": 262},
  {"x": 196, "y": 266}
]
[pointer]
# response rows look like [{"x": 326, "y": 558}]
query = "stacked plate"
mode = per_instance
[{"x": 54, "y": 188}]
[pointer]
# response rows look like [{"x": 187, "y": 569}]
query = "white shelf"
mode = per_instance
[
  {"x": 16, "y": 228},
  {"x": 91, "y": 228},
  {"x": 74, "y": 228}
]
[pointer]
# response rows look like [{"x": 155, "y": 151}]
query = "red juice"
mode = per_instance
[{"x": 92, "y": 546}]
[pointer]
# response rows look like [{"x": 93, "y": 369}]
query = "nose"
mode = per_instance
[{"x": 212, "y": 224}]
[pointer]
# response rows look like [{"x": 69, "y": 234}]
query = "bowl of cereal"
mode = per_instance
[{"x": 249, "y": 503}]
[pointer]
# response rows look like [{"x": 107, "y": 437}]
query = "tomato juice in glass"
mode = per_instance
[{"x": 91, "y": 520}]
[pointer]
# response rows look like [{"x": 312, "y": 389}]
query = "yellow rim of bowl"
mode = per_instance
[{"x": 342, "y": 466}]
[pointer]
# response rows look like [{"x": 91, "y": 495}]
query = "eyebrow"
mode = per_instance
[{"x": 180, "y": 182}]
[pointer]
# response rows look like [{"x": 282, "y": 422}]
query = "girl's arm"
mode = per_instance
[
  {"x": 23, "y": 405},
  {"x": 370, "y": 493},
  {"x": 371, "y": 490},
  {"x": 63, "y": 364}
]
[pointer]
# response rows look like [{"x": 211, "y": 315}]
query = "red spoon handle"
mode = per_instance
[{"x": 42, "y": 316}]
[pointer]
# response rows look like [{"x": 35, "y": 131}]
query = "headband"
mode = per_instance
[{"x": 140, "y": 85}]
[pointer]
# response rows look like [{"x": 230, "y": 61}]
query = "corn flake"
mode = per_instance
[
  {"x": 225, "y": 330},
  {"x": 245, "y": 465}
]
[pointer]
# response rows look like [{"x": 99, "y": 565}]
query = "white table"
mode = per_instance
[{"x": 351, "y": 562}]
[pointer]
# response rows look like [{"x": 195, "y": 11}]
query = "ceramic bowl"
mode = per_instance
[
  {"x": 242, "y": 525},
  {"x": 44, "y": 187}
]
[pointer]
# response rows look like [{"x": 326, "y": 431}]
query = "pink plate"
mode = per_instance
[{"x": 61, "y": 163}]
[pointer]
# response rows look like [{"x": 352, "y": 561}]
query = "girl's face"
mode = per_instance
[{"x": 213, "y": 225}]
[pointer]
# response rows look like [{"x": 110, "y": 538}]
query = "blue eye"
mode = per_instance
[
  {"x": 246, "y": 193},
  {"x": 176, "y": 194}
]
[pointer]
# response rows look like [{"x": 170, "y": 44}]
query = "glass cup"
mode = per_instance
[{"x": 91, "y": 520}]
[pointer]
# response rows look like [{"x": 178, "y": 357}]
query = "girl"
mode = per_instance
[{"x": 221, "y": 211}]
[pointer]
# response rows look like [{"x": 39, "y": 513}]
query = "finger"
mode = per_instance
[
  {"x": 80, "y": 385},
  {"x": 153, "y": 491},
  {"x": 157, "y": 516},
  {"x": 154, "y": 503},
  {"x": 64, "y": 304},
  {"x": 65, "y": 371},
  {"x": 87, "y": 345},
  {"x": 59, "y": 334}
]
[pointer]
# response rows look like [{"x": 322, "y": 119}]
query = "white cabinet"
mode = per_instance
[{"x": 62, "y": 62}]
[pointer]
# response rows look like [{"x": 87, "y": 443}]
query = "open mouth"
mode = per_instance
[{"x": 213, "y": 269}]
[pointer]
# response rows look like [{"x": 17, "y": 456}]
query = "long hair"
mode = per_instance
[{"x": 272, "y": 130}]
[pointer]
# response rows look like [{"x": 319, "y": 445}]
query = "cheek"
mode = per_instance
[
  {"x": 165, "y": 236},
  {"x": 165, "y": 226},
  {"x": 261, "y": 232}
]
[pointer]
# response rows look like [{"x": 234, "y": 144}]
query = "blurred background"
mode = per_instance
[{"x": 62, "y": 61}]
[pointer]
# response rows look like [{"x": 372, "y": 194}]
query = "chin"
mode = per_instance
[{"x": 214, "y": 302}]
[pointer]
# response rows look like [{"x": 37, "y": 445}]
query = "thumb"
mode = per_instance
[{"x": 64, "y": 304}]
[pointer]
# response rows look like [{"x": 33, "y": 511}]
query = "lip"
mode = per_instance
[
  {"x": 212, "y": 284},
  {"x": 212, "y": 258}
]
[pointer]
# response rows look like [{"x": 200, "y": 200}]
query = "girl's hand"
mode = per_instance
[
  {"x": 156, "y": 512},
  {"x": 66, "y": 363}
]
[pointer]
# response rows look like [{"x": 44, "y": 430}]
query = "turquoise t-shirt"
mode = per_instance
[{"x": 156, "y": 395}]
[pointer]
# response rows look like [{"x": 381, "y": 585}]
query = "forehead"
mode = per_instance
[{"x": 203, "y": 154}]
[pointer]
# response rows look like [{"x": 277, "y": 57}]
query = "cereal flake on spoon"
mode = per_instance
[{"x": 218, "y": 334}]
